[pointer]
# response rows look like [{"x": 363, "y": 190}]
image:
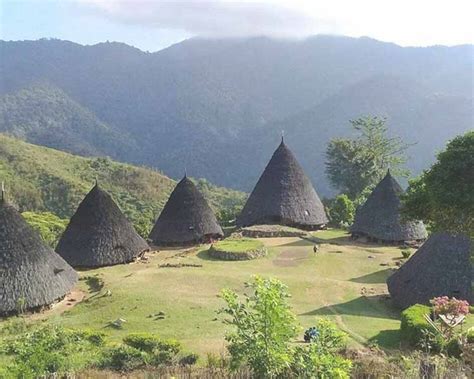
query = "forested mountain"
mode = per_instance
[
  {"x": 43, "y": 179},
  {"x": 217, "y": 107}
]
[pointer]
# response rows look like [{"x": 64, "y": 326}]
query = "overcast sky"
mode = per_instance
[{"x": 154, "y": 24}]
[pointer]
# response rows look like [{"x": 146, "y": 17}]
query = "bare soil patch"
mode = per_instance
[{"x": 290, "y": 258}]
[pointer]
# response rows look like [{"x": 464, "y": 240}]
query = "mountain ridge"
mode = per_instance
[{"x": 217, "y": 106}]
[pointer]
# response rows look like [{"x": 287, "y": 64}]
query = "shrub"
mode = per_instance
[
  {"x": 406, "y": 254},
  {"x": 413, "y": 324},
  {"x": 142, "y": 341},
  {"x": 329, "y": 339},
  {"x": 341, "y": 210},
  {"x": 311, "y": 363},
  {"x": 264, "y": 327},
  {"x": 188, "y": 359},
  {"x": 470, "y": 335},
  {"x": 49, "y": 350},
  {"x": 122, "y": 358}
]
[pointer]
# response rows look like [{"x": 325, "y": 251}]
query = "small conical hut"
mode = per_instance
[
  {"x": 441, "y": 267},
  {"x": 99, "y": 234},
  {"x": 284, "y": 195},
  {"x": 186, "y": 218},
  {"x": 32, "y": 275},
  {"x": 379, "y": 218}
]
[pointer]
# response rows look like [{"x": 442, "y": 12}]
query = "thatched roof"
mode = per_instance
[
  {"x": 99, "y": 234},
  {"x": 283, "y": 195},
  {"x": 32, "y": 275},
  {"x": 379, "y": 217},
  {"x": 441, "y": 267},
  {"x": 186, "y": 218}
]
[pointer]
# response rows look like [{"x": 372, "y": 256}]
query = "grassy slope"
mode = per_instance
[
  {"x": 328, "y": 284},
  {"x": 39, "y": 178}
]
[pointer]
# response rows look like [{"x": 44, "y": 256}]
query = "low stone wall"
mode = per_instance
[
  {"x": 233, "y": 256},
  {"x": 265, "y": 231}
]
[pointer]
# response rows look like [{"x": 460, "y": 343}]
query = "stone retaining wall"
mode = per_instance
[{"x": 233, "y": 256}]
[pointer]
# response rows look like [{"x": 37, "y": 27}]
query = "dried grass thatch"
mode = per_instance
[
  {"x": 32, "y": 275},
  {"x": 186, "y": 218},
  {"x": 441, "y": 267},
  {"x": 99, "y": 234},
  {"x": 284, "y": 195},
  {"x": 379, "y": 218}
]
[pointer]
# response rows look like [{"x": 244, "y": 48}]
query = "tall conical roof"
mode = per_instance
[
  {"x": 380, "y": 217},
  {"x": 441, "y": 267},
  {"x": 186, "y": 217},
  {"x": 283, "y": 195},
  {"x": 99, "y": 234},
  {"x": 31, "y": 273}
]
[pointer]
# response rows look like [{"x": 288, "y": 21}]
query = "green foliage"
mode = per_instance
[
  {"x": 406, "y": 254},
  {"x": 309, "y": 362},
  {"x": 144, "y": 349},
  {"x": 43, "y": 180},
  {"x": 319, "y": 359},
  {"x": 442, "y": 196},
  {"x": 149, "y": 342},
  {"x": 122, "y": 358},
  {"x": 329, "y": 338},
  {"x": 342, "y": 210},
  {"x": 49, "y": 226},
  {"x": 264, "y": 327},
  {"x": 355, "y": 164},
  {"x": 50, "y": 350},
  {"x": 414, "y": 324}
]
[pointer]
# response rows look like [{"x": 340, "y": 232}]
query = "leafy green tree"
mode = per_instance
[
  {"x": 264, "y": 328},
  {"x": 443, "y": 196},
  {"x": 341, "y": 210},
  {"x": 353, "y": 164},
  {"x": 49, "y": 226}
]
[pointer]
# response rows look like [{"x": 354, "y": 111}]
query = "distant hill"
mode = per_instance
[
  {"x": 45, "y": 115},
  {"x": 217, "y": 107},
  {"x": 43, "y": 179}
]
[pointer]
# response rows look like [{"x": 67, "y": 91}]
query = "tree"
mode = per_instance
[
  {"x": 265, "y": 327},
  {"x": 443, "y": 196},
  {"x": 353, "y": 164},
  {"x": 342, "y": 210}
]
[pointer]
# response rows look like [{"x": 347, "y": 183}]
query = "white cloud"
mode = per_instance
[{"x": 408, "y": 22}]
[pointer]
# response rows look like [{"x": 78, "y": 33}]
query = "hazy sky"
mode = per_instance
[{"x": 154, "y": 24}]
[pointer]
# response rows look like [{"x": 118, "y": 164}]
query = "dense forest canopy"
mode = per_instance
[{"x": 218, "y": 106}]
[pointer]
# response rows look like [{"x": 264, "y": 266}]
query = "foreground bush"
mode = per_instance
[
  {"x": 54, "y": 350},
  {"x": 264, "y": 332},
  {"x": 414, "y": 325},
  {"x": 49, "y": 350}
]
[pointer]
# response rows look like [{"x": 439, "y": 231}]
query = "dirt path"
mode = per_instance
[{"x": 71, "y": 299}]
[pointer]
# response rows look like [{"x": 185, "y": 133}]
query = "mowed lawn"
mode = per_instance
[{"x": 344, "y": 281}]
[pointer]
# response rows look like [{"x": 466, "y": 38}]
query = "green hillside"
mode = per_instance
[
  {"x": 45, "y": 115},
  {"x": 43, "y": 179}
]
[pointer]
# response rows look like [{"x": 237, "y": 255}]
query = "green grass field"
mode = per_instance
[
  {"x": 345, "y": 282},
  {"x": 240, "y": 245}
]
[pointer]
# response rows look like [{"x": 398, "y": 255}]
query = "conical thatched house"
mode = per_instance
[
  {"x": 441, "y": 267},
  {"x": 99, "y": 234},
  {"x": 379, "y": 218},
  {"x": 284, "y": 195},
  {"x": 32, "y": 275},
  {"x": 186, "y": 218}
]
